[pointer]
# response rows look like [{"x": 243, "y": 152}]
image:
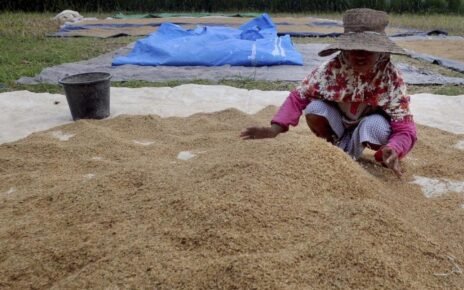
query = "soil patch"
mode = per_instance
[
  {"x": 137, "y": 27},
  {"x": 446, "y": 48}
]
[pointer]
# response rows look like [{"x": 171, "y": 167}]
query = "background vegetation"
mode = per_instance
[{"x": 292, "y": 6}]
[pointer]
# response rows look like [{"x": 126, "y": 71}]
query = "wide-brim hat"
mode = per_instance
[{"x": 364, "y": 29}]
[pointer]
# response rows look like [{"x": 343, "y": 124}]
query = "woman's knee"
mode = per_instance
[
  {"x": 320, "y": 127},
  {"x": 377, "y": 128}
]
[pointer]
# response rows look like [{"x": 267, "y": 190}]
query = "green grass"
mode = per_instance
[
  {"x": 26, "y": 50},
  {"x": 39, "y": 53},
  {"x": 447, "y": 90}
]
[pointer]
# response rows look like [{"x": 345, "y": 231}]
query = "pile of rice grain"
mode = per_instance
[{"x": 114, "y": 206}]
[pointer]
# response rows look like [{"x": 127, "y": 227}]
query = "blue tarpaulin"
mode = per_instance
[{"x": 255, "y": 43}]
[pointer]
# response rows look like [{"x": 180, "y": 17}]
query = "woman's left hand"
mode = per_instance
[{"x": 391, "y": 160}]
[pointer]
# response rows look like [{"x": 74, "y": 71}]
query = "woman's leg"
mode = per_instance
[
  {"x": 372, "y": 131},
  {"x": 324, "y": 120},
  {"x": 320, "y": 127}
]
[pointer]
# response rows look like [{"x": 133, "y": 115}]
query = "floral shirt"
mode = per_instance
[
  {"x": 384, "y": 87},
  {"x": 335, "y": 81}
]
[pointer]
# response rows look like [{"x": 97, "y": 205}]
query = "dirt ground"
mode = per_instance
[
  {"x": 447, "y": 48},
  {"x": 148, "y": 25},
  {"x": 112, "y": 205}
]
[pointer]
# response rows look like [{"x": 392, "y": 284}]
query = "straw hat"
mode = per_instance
[{"x": 364, "y": 30}]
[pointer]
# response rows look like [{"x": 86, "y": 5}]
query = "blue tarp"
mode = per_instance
[{"x": 255, "y": 43}]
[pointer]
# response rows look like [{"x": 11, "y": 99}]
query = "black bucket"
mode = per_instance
[{"x": 88, "y": 95}]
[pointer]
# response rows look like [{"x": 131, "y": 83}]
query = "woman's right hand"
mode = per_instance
[
  {"x": 261, "y": 132},
  {"x": 391, "y": 160}
]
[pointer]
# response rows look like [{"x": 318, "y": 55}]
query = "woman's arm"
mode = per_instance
[
  {"x": 403, "y": 137},
  {"x": 404, "y": 133},
  {"x": 289, "y": 114},
  {"x": 290, "y": 111},
  {"x": 401, "y": 141}
]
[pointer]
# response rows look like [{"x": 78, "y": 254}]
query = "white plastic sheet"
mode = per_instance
[{"x": 23, "y": 112}]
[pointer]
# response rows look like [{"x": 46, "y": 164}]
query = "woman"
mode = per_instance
[{"x": 355, "y": 100}]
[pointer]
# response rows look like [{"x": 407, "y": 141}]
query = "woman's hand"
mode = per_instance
[
  {"x": 261, "y": 132},
  {"x": 391, "y": 160}
]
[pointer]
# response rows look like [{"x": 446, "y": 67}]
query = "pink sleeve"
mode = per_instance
[
  {"x": 290, "y": 111},
  {"x": 403, "y": 136}
]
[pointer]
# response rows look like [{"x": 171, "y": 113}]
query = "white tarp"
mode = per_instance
[{"x": 24, "y": 112}]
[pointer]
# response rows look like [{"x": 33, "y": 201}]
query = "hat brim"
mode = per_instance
[{"x": 375, "y": 42}]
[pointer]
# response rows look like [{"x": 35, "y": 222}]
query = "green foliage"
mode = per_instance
[
  {"x": 436, "y": 5},
  {"x": 456, "y": 6},
  {"x": 288, "y": 6}
]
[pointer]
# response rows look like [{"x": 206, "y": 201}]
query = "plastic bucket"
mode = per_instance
[{"x": 88, "y": 95}]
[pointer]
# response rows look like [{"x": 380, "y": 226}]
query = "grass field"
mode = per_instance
[{"x": 26, "y": 50}]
